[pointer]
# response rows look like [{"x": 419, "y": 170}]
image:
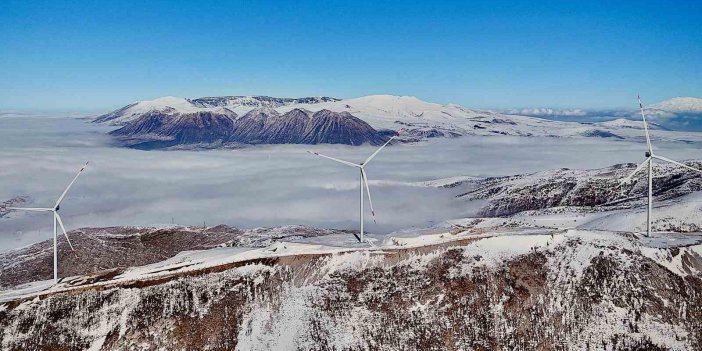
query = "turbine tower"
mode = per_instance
[
  {"x": 57, "y": 219},
  {"x": 362, "y": 179},
  {"x": 650, "y": 156}
]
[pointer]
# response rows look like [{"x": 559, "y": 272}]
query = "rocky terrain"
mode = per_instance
[
  {"x": 117, "y": 248},
  {"x": 511, "y": 290},
  {"x": 156, "y": 130}
]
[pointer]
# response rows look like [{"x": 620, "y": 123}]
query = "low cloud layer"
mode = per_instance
[{"x": 263, "y": 185}]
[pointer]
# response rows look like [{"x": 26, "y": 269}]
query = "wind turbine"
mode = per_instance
[
  {"x": 57, "y": 219},
  {"x": 650, "y": 156},
  {"x": 362, "y": 179}
]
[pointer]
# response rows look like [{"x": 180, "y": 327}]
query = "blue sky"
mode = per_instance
[{"x": 99, "y": 55}]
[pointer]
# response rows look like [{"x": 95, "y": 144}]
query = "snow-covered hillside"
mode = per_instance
[
  {"x": 463, "y": 289},
  {"x": 628, "y": 123}
]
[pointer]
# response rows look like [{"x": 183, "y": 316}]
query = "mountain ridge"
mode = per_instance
[{"x": 419, "y": 119}]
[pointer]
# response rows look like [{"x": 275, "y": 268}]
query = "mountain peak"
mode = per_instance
[{"x": 679, "y": 104}]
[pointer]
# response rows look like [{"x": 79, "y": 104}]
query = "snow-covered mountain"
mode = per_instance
[
  {"x": 679, "y": 105},
  {"x": 419, "y": 119},
  {"x": 242, "y": 103},
  {"x": 165, "y": 106},
  {"x": 681, "y": 113}
]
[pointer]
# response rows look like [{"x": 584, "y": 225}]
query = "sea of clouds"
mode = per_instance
[{"x": 262, "y": 185}]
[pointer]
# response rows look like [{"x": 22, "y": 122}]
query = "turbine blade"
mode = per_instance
[
  {"x": 377, "y": 151},
  {"x": 643, "y": 116},
  {"x": 30, "y": 209},
  {"x": 637, "y": 170},
  {"x": 370, "y": 201},
  {"x": 335, "y": 159},
  {"x": 64, "y": 233},
  {"x": 677, "y": 163},
  {"x": 70, "y": 185}
]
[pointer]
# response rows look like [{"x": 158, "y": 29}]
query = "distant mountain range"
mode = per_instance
[
  {"x": 680, "y": 113},
  {"x": 211, "y": 122}
]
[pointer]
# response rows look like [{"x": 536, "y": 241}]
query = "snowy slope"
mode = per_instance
[
  {"x": 464, "y": 290},
  {"x": 168, "y": 105},
  {"x": 628, "y": 123}
]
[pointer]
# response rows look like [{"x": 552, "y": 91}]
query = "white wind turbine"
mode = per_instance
[
  {"x": 363, "y": 179},
  {"x": 57, "y": 218},
  {"x": 650, "y": 156}
]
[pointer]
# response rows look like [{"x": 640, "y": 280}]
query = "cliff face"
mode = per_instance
[{"x": 552, "y": 291}]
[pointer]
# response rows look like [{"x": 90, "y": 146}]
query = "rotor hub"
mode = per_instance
[{"x": 648, "y": 154}]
